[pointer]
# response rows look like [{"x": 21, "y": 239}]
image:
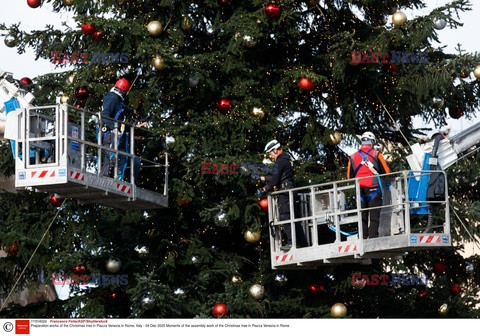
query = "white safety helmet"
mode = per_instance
[
  {"x": 368, "y": 136},
  {"x": 274, "y": 144}
]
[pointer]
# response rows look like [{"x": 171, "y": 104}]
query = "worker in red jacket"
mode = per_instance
[{"x": 366, "y": 164}]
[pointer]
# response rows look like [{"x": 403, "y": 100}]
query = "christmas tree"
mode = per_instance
[{"x": 224, "y": 77}]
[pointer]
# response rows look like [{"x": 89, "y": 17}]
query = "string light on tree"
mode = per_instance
[{"x": 399, "y": 18}]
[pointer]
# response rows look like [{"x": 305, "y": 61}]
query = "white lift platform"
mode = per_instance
[
  {"x": 57, "y": 149},
  {"x": 330, "y": 216}
]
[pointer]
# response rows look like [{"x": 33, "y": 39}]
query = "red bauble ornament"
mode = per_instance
[
  {"x": 224, "y": 105},
  {"x": 272, "y": 10},
  {"x": 13, "y": 250},
  {"x": 88, "y": 28},
  {"x": 423, "y": 295},
  {"x": 392, "y": 68},
  {"x": 96, "y": 35},
  {"x": 455, "y": 113},
  {"x": 114, "y": 296},
  {"x": 439, "y": 267},
  {"x": 220, "y": 309},
  {"x": 263, "y": 202},
  {"x": 316, "y": 288},
  {"x": 26, "y": 81},
  {"x": 55, "y": 200},
  {"x": 306, "y": 84},
  {"x": 34, "y": 3},
  {"x": 79, "y": 269},
  {"x": 184, "y": 203},
  {"x": 455, "y": 289},
  {"x": 225, "y": 2},
  {"x": 81, "y": 93}
]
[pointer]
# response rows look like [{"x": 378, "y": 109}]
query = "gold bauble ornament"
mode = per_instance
[
  {"x": 155, "y": 28},
  {"x": 70, "y": 79},
  {"x": 338, "y": 310},
  {"x": 252, "y": 236},
  {"x": 257, "y": 291},
  {"x": 68, "y": 2},
  {"x": 399, "y": 18},
  {"x": 158, "y": 62},
  {"x": 64, "y": 99},
  {"x": 476, "y": 72},
  {"x": 258, "y": 112},
  {"x": 443, "y": 310},
  {"x": 187, "y": 23},
  {"x": 335, "y": 138},
  {"x": 236, "y": 278}
]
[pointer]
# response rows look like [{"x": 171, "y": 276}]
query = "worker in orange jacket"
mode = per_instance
[{"x": 366, "y": 164}]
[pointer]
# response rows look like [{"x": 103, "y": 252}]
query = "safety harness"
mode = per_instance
[{"x": 366, "y": 162}]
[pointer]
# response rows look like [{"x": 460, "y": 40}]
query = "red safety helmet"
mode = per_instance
[{"x": 122, "y": 84}]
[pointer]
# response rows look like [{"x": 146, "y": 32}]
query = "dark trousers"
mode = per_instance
[
  {"x": 108, "y": 157},
  {"x": 370, "y": 231},
  {"x": 284, "y": 211}
]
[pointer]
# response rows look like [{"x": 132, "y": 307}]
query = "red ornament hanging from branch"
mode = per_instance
[
  {"x": 263, "y": 202},
  {"x": 224, "y": 105},
  {"x": 455, "y": 112},
  {"x": 220, "y": 309},
  {"x": 306, "y": 84},
  {"x": 34, "y": 3},
  {"x": 88, "y": 28},
  {"x": 272, "y": 10},
  {"x": 55, "y": 200},
  {"x": 13, "y": 250}
]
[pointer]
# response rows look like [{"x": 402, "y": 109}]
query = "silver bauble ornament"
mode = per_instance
[
  {"x": 148, "y": 302},
  {"x": 179, "y": 291},
  {"x": 440, "y": 24},
  {"x": 281, "y": 278},
  {"x": 258, "y": 112},
  {"x": 113, "y": 265},
  {"x": 10, "y": 41},
  {"x": 169, "y": 142},
  {"x": 257, "y": 291}
]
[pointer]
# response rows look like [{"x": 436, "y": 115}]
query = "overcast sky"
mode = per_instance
[{"x": 25, "y": 65}]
